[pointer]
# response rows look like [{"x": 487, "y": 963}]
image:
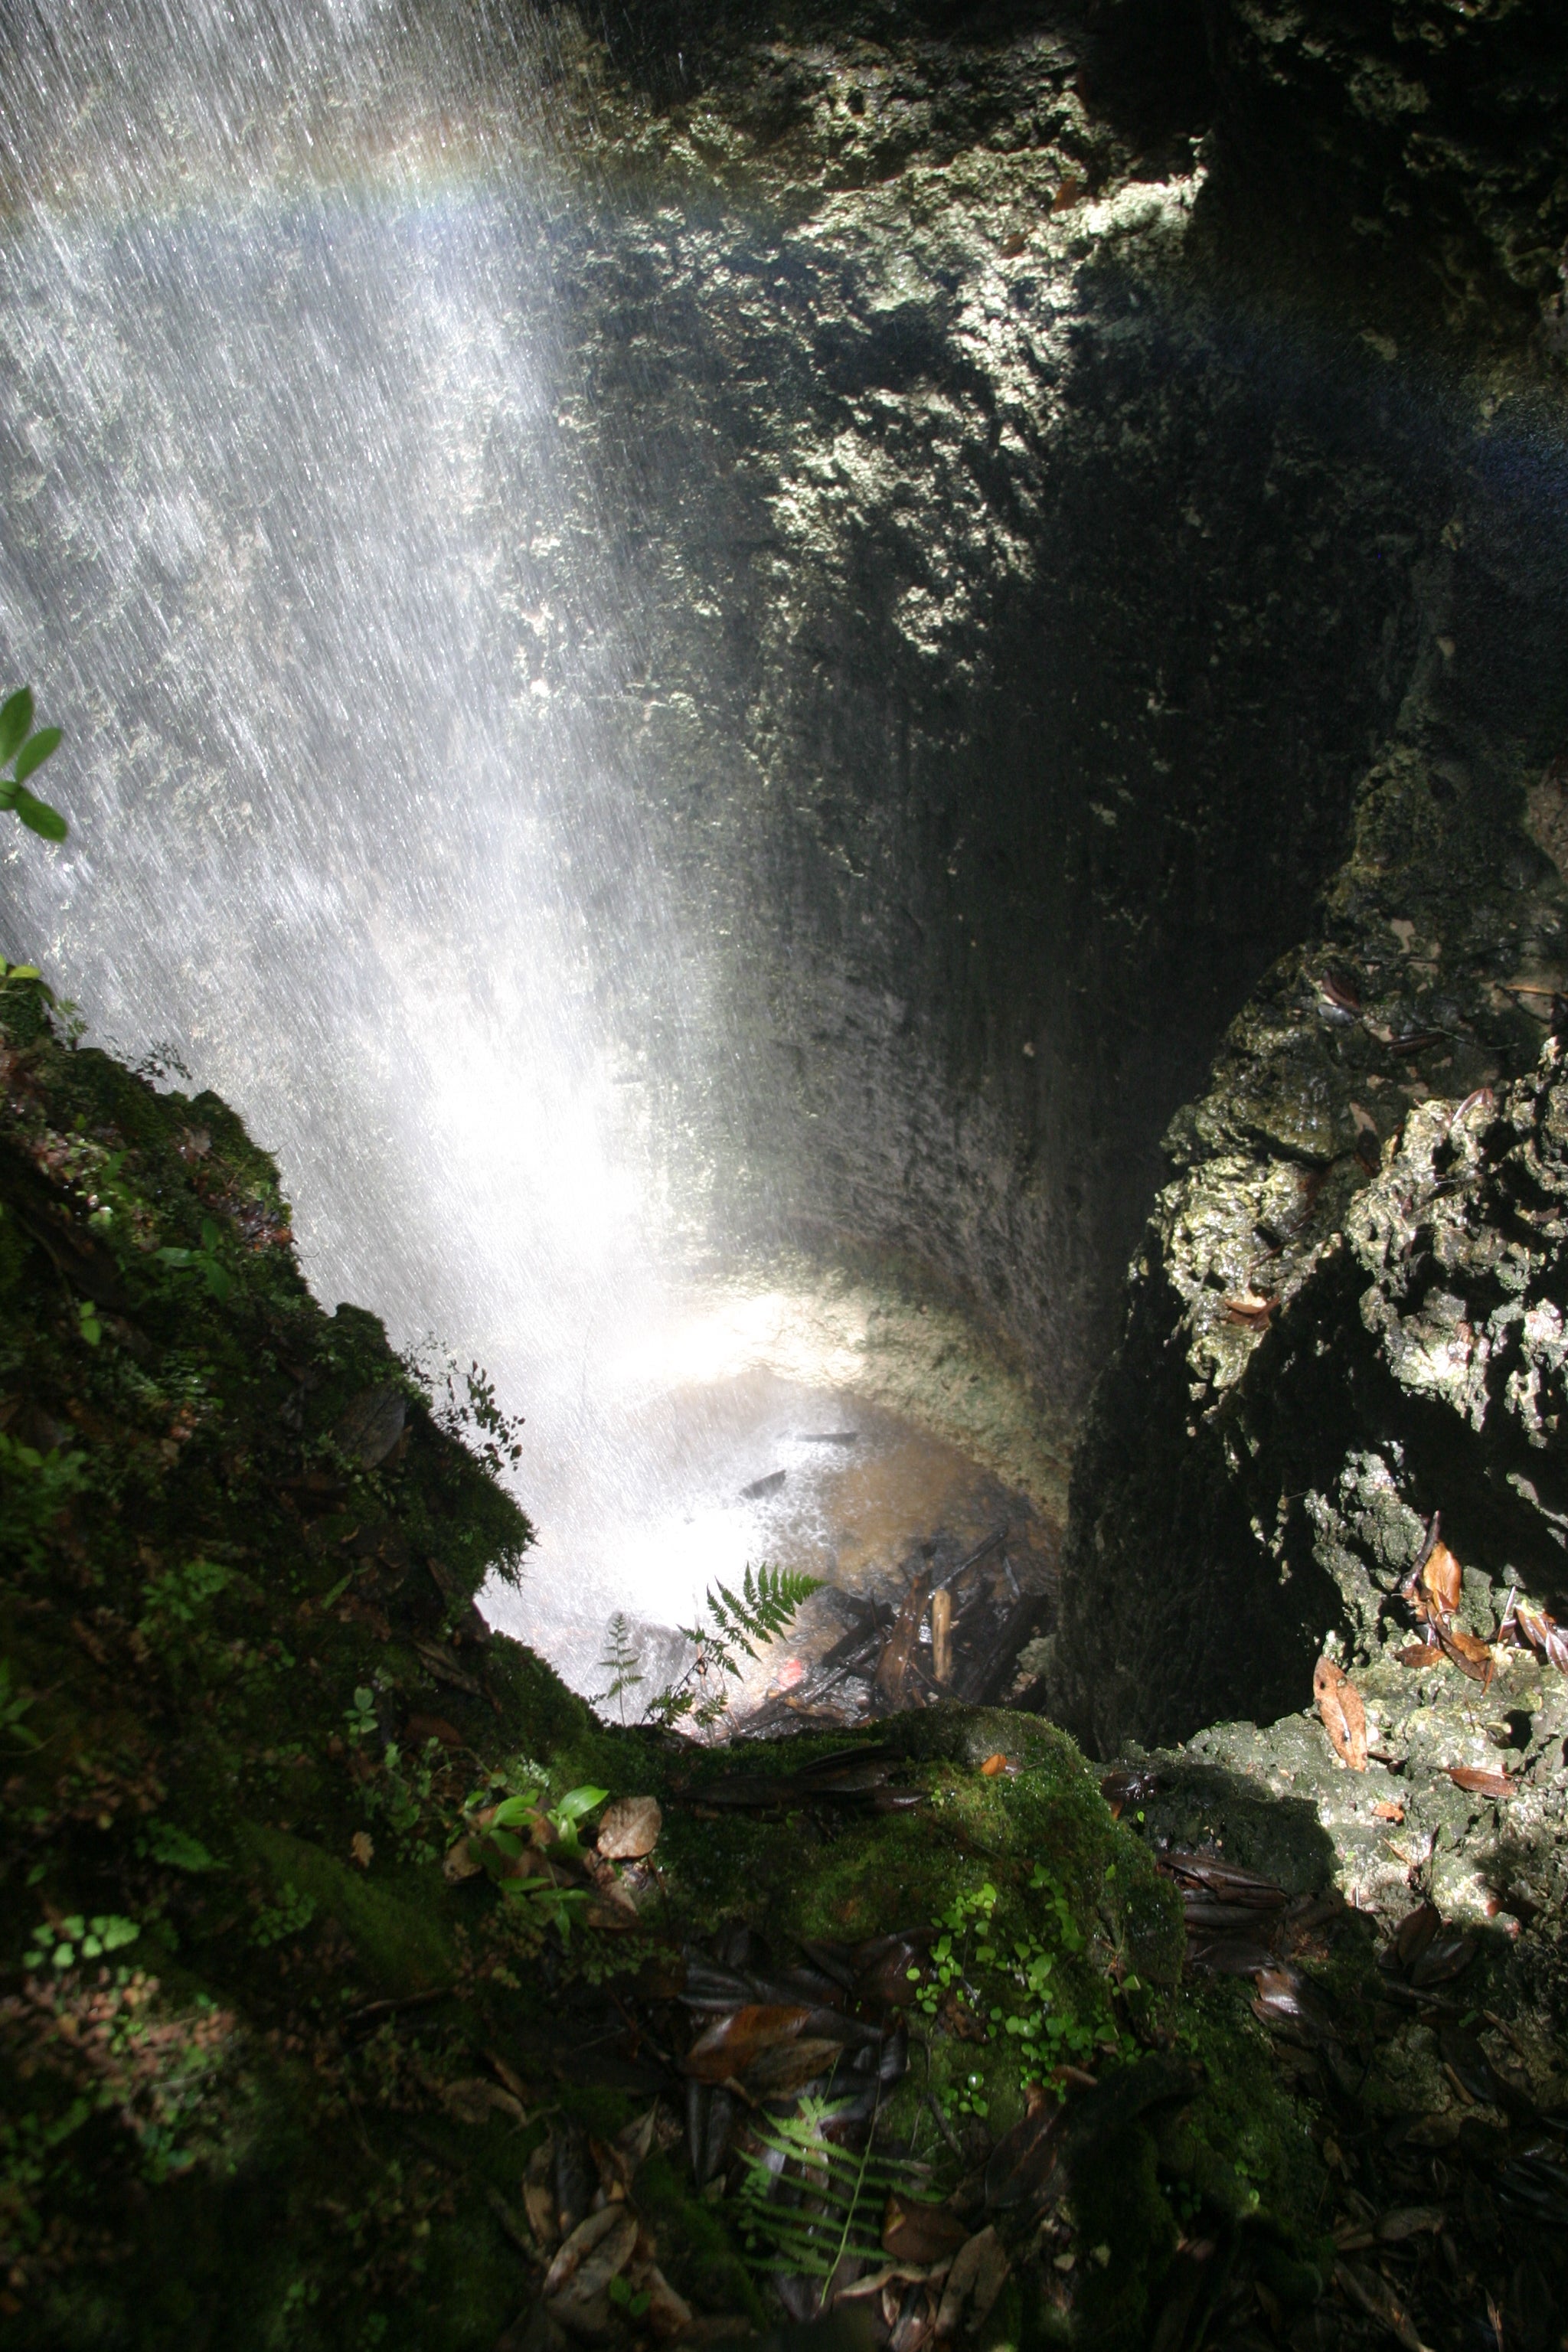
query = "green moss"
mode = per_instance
[
  {"x": 397, "y": 1932},
  {"x": 223, "y": 1627}
]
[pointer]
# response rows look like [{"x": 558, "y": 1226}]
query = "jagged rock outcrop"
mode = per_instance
[{"x": 1341, "y": 1318}]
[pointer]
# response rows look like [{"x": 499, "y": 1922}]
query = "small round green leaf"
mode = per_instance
[
  {"x": 38, "y": 816},
  {"x": 15, "y": 718},
  {"x": 36, "y": 750}
]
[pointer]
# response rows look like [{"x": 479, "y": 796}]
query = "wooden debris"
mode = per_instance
[
  {"x": 941, "y": 1636},
  {"x": 897, "y": 1658}
]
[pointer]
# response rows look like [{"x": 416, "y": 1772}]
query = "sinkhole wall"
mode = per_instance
[{"x": 1027, "y": 581}]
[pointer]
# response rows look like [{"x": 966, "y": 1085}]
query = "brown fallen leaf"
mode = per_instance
[
  {"x": 1471, "y": 1656},
  {"x": 539, "y": 2195},
  {"x": 1410, "y": 2221},
  {"x": 1024, "y": 2166},
  {"x": 577, "y": 2287},
  {"x": 629, "y": 1829},
  {"x": 731, "y": 2043},
  {"x": 1388, "y": 1810},
  {"x": 1069, "y": 193},
  {"x": 1248, "y": 1309},
  {"x": 1290, "y": 2005},
  {"x": 1478, "y": 1782},
  {"x": 994, "y": 1766},
  {"x": 979, "y": 2269},
  {"x": 1433, "y": 2131},
  {"x": 941, "y": 1636},
  {"x": 668, "y": 2314},
  {"x": 1379, "y": 2301},
  {"x": 363, "y": 1848},
  {"x": 897, "y": 1654},
  {"x": 1120, "y": 1788},
  {"x": 1344, "y": 1718},
  {"x": 1443, "y": 1579},
  {"x": 476, "y": 2099},
  {"x": 421, "y": 1727},
  {"x": 461, "y": 1863},
  {"x": 1541, "y": 1631},
  {"x": 1415, "y": 1932},
  {"x": 788, "y": 2067},
  {"x": 510, "y": 2076},
  {"x": 1446, "y": 1957},
  {"x": 445, "y": 1667},
  {"x": 1421, "y": 1654},
  {"x": 915, "y": 2233}
]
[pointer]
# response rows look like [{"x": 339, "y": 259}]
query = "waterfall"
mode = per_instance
[
  {"x": 306, "y": 547},
  {"x": 298, "y": 552}
]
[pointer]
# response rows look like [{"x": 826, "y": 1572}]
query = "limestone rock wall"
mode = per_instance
[
  {"x": 1021, "y": 610},
  {"x": 1342, "y": 1318}
]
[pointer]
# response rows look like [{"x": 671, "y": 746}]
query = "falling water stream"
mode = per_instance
[{"x": 301, "y": 548}]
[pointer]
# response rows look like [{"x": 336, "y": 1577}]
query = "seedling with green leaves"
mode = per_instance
[
  {"x": 204, "y": 1261},
  {"x": 59, "y": 1945},
  {"x": 13, "y": 1705},
  {"x": 361, "y": 1716},
  {"x": 24, "y": 753},
  {"x": 523, "y": 1821},
  {"x": 619, "y": 1662}
]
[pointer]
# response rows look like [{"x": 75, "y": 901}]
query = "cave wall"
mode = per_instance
[
  {"x": 1024, "y": 605},
  {"x": 1281, "y": 1412}
]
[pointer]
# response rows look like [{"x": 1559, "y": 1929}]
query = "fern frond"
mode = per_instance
[
  {"x": 731, "y": 1622},
  {"x": 835, "y": 2196}
]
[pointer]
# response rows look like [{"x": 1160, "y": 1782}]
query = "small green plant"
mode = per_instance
[
  {"x": 549, "y": 1904},
  {"x": 205, "y": 1262},
  {"x": 177, "y": 1599},
  {"x": 1012, "y": 1986},
  {"x": 34, "y": 1490},
  {"x": 464, "y": 1404},
  {"x": 13, "y": 1705},
  {"x": 175, "y": 1849},
  {"x": 944, "y": 1971},
  {"x": 25, "y": 976},
  {"x": 731, "y": 1623},
  {"x": 575, "y": 1807},
  {"x": 402, "y": 1795},
  {"x": 61, "y": 1944},
  {"x": 361, "y": 1716},
  {"x": 524, "y": 1812},
  {"x": 619, "y": 1662},
  {"x": 633, "y": 2300},
  {"x": 276, "y": 1922},
  {"x": 24, "y": 753},
  {"x": 88, "y": 1324},
  {"x": 520, "y": 1821}
]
